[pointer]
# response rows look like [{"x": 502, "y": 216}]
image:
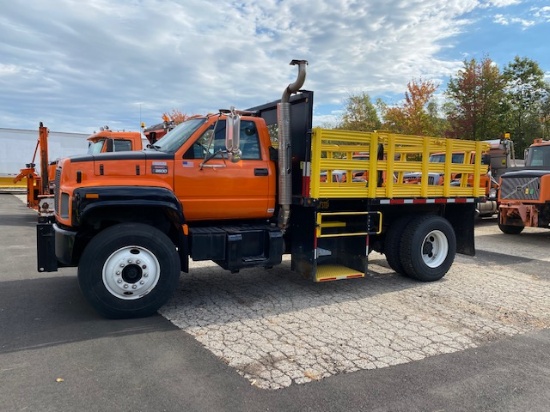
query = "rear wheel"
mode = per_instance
[
  {"x": 511, "y": 230},
  {"x": 129, "y": 270},
  {"x": 428, "y": 248},
  {"x": 392, "y": 244}
]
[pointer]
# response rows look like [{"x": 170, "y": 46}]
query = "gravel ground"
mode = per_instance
[{"x": 276, "y": 329}]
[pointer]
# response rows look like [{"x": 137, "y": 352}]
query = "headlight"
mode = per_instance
[{"x": 492, "y": 194}]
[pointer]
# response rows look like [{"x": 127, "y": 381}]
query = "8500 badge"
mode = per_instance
[{"x": 159, "y": 168}]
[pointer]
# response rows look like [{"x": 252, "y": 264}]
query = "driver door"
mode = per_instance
[{"x": 211, "y": 187}]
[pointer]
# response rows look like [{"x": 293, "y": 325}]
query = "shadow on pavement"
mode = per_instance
[{"x": 40, "y": 313}]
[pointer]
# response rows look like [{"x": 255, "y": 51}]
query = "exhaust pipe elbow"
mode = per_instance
[{"x": 294, "y": 87}]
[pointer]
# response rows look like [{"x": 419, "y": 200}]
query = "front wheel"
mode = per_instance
[
  {"x": 428, "y": 248},
  {"x": 129, "y": 270}
]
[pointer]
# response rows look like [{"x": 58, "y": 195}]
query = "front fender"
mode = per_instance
[{"x": 87, "y": 200}]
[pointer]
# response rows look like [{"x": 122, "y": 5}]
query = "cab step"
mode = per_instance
[{"x": 327, "y": 273}]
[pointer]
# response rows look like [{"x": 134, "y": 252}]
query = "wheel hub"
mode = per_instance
[
  {"x": 131, "y": 272},
  {"x": 435, "y": 248},
  {"x": 428, "y": 247}
]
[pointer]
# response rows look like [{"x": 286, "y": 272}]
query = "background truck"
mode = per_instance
[
  {"x": 524, "y": 195},
  {"x": 40, "y": 185},
  {"x": 157, "y": 131},
  {"x": 215, "y": 188},
  {"x": 499, "y": 156},
  {"x": 107, "y": 140}
]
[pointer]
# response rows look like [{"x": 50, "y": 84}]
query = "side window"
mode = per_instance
[
  {"x": 122, "y": 145},
  {"x": 250, "y": 146},
  {"x": 207, "y": 143},
  {"x": 457, "y": 158}
]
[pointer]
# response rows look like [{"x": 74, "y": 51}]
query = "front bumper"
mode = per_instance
[{"x": 54, "y": 247}]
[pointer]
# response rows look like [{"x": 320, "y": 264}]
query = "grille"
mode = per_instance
[
  {"x": 57, "y": 192},
  {"x": 520, "y": 188}
]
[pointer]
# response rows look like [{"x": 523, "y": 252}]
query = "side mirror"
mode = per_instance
[
  {"x": 486, "y": 159},
  {"x": 232, "y": 135}
]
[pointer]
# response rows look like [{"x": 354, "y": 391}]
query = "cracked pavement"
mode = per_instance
[{"x": 277, "y": 329}]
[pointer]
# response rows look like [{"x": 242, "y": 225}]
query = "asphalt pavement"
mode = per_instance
[{"x": 57, "y": 354}]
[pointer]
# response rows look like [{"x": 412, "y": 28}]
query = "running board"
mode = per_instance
[{"x": 327, "y": 273}]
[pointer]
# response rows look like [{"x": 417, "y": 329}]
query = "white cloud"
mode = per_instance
[
  {"x": 90, "y": 63},
  {"x": 9, "y": 69},
  {"x": 542, "y": 13},
  {"x": 502, "y": 3},
  {"x": 506, "y": 21}
]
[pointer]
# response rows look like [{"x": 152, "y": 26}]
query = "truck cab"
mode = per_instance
[
  {"x": 205, "y": 177},
  {"x": 107, "y": 140}
]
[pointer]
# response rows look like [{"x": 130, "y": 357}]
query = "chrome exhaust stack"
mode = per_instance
[{"x": 285, "y": 152}]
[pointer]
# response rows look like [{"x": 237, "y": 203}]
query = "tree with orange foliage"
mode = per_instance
[
  {"x": 417, "y": 115},
  {"x": 175, "y": 116}
]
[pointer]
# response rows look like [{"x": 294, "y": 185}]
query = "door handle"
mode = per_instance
[{"x": 261, "y": 171}]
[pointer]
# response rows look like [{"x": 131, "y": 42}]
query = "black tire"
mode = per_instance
[
  {"x": 129, "y": 270},
  {"x": 511, "y": 230},
  {"x": 392, "y": 244},
  {"x": 428, "y": 248}
]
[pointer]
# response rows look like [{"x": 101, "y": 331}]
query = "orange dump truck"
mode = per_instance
[
  {"x": 216, "y": 188},
  {"x": 524, "y": 195},
  {"x": 40, "y": 186}
]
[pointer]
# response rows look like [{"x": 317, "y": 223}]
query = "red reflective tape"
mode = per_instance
[
  {"x": 359, "y": 275},
  {"x": 326, "y": 279},
  {"x": 424, "y": 201},
  {"x": 305, "y": 186}
]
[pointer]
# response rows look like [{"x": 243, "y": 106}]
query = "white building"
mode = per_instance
[{"x": 17, "y": 147}]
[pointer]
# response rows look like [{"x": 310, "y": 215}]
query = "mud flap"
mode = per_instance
[{"x": 45, "y": 248}]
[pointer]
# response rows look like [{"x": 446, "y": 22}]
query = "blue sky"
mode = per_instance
[{"x": 77, "y": 65}]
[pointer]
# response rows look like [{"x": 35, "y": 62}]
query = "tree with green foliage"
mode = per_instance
[
  {"x": 526, "y": 91},
  {"x": 475, "y": 96},
  {"x": 360, "y": 114}
]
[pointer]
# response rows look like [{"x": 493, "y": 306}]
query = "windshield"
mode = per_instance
[
  {"x": 174, "y": 139},
  {"x": 538, "y": 156},
  {"x": 95, "y": 147}
]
